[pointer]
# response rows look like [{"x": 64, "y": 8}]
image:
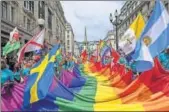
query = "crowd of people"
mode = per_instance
[{"x": 18, "y": 71}]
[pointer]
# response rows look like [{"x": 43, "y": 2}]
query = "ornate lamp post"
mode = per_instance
[{"x": 116, "y": 23}]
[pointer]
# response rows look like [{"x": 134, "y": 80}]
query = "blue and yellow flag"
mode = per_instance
[{"x": 41, "y": 78}]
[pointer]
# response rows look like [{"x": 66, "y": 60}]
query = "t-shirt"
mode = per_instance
[
  {"x": 17, "y": 75},
  {"x": 26, "y": 71},
  {"x": 6, "y": 75},
  {"x": 164, "y": 59}
]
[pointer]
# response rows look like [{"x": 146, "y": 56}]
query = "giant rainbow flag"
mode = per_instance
[
  {"x": 109, "y": 89},
  {"x": 87, "y": 88}
]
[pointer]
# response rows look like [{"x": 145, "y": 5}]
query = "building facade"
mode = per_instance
[
  {"x": 76, "y": 49},
  {"x": 111, "y": 37},
  {"x": 69, "y": 38},
  {"x": 130, "y": 10},
  {"x": 25, "y": 14},
  {"x": 15, "y": 14},
  {"x": 55, "y": 21}
]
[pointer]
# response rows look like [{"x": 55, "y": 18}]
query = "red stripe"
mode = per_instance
[
  {"x": 20, "y": 57},
  {"x": 37, "y": 44}
]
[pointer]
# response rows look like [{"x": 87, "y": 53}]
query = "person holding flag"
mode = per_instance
[
  {"x": 13, "y": 43},
  {"x": 36, "y": 43}
]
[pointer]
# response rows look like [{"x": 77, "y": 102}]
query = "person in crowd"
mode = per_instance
[
  {"x": 17, "y": 72},
  {"x": 70, "y": 63},
  {"x": 130, "y": 65},
  {"x": 36, "y": 58},
  {"x": 27, "y": 64},
  {"x": 6, "y": 74},
  {"x": 57, "y": 68},
  {"x": 164, "y": 59}
]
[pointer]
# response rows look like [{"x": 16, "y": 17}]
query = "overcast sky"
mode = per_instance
[{"x": 92, "y": 14}]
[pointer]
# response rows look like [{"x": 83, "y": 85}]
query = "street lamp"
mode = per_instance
[
  {"x": 41, "y": 22},
  {"x": 115, "y": 23}
]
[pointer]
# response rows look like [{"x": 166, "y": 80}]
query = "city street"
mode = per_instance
[{"x": 84, "y": 55}]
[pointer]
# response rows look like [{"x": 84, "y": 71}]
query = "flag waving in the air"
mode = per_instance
[
  {"x": 13, "y": 43},
  {"x": 128, "y": 43},
  {"x": 154, "y": 39},
  {"x": 34, "y": 44}
]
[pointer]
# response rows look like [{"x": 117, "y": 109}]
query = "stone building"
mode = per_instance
[
  {"x": 55, "y": 21},
  {"x": 15, "y": 14},
  {"x": 130, "y": 10},
  {"x": 25, "y": 14},
  {"x": 111, "y": 36},
  {"x": 76, "y": 49},
  {"x": 69, "y": 38}
]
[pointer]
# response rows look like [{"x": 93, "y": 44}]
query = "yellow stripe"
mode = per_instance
[
  {"x": 40, "y": 70},
  {"x": 138, "y": 25},
  {"x": 114, "y": 106},
  {"x": 106, "y": 98}
]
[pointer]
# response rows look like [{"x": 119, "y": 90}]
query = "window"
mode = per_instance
[
  {"x": 41, "y": 9},
  {"x": 24, "y": 21},
  {"x": 68, "y": 42},
  {"x": 166, "y": 6},
  {"x": 68, "y": 36},
  {"x": 12, "y": 14},
  {"x": 28, "y": 24},
  {"x": 138, "y": 2},
  {"x": 26, "y": 41},
  {"x": 4, "y": 10},
  {"x": 131, "y": 9},
  {"x": 134, "y": 6},
  {"x": 29, "y": 5},
  {"x": 148, "y": 5},
  {"x": 33, "y": 24},
  {"x": 49, "y": 19}
]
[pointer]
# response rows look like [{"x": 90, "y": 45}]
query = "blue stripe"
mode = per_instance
[
  {"x": 160, "y": 44},
  {"x": 31, "y": 80},
  {"x": 45, "y": 81},
  {"x": 157, "y": 11},
  {"x": 54, "y": 50}
]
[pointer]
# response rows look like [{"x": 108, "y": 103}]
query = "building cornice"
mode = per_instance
[
  {"x": 13, "y": 25},
  {"x": 133, "y": 12}
]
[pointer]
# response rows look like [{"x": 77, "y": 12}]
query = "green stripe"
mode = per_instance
[{"x": 83, "y": 100}]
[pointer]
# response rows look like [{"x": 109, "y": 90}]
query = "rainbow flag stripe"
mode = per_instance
[{"x": 91, "y": 87}]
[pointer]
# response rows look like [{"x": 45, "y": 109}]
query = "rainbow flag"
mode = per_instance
[
  {"x": 106, "y": 89},
  {"x": 104, "y": 49}
]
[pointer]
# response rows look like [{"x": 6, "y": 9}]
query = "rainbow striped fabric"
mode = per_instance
[
  {"x": 104, "y": 49},
  {"x": 91, "y": 87}
]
